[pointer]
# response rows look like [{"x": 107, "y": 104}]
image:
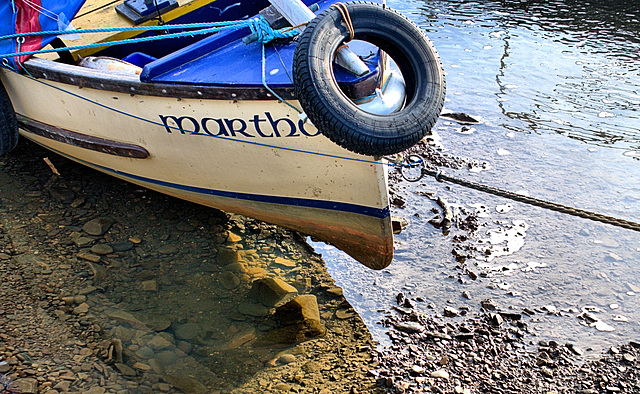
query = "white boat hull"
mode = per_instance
[{"x": 252, "y": 157}]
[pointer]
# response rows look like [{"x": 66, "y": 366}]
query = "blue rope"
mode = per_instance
[
  {"x": 265, "y": 33},
  {"x": 264, "y": 83},
  {"x": 229, "y": 24},
  {"x": 259, "y": 26}
]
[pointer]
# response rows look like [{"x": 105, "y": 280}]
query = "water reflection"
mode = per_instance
[
  {"x": 557, "y": 86},
  {"x": 566, "y": 67}
]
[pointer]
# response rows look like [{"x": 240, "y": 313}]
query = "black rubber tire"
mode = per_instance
[
  {"x": 334, "y": 114},
  {"x": 8, "y": 123}
]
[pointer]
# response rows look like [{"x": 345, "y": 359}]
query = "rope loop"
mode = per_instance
[
  {"x": 344, "y": 11},
  {"x": 411, "y": 163},
  {"x": 265, "y": 33}
]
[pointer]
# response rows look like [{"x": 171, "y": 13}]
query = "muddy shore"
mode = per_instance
[{"x": 110, "y": 288}]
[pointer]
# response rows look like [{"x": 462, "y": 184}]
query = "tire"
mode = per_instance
[
  {"x": 8, "y": 123},
  {"x": 334, "y": 114}
]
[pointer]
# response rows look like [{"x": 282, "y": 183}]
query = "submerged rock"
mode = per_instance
[
  {"x": 272, "y": 292},
  {"x": 187, "y": 385}
]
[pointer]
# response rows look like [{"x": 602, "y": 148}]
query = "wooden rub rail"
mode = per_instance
[{"x": 97, "y": 144}]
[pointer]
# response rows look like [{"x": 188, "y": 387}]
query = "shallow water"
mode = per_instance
[{"x": 557, "y": 86}]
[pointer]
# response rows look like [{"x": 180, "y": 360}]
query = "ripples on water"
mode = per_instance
[{"x": 536, "y": 72}]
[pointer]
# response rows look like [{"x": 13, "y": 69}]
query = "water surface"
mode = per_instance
[{"x": 557, "y": 86}]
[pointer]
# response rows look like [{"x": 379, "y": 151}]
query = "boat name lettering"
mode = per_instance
[{"x": 263, "y": 126}]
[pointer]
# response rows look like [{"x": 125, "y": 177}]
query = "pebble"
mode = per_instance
[
  {"x": 286, "y": 359},
  {"x": 97, "y": 226},
  {"x": 409, "y": 327},
  {"x": 602, "y": 326},
  {"x": 284, "y": 262},
  {"x": 440, "y": 374},
  {"x": 188, "y": 331},
  {"x": 335, "y": 291},
  {"x": 88, "y": 256},
  {"x": 252, "y": 309},
  {"x": 101, "y": 249},
  {"x": 149, "y": 285},
  {"x": 344, "y": 314},
  {"x": 125, "y": 369}
]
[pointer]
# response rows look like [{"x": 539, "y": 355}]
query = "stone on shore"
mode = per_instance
[{"x": 272, "y": 292}]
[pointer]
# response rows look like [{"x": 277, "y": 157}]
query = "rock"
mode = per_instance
[
  {"x": 496, "y": 319},
  {"x": 272, "y": 292},
  {"x": 87, "y": 290},
  {"x": 546, "y": 372},
  {"x": 145, "y": 352},
  {"x": 227, "y": 256},
  {"x": 187, "y": 385},
  {"x": 95, "y": 390},
  {"x": 489, "y": 304},
  {"x": 286, "y": 359},
  {"x": 125, "y": 317},
  {"x": 344, "y": 314},
  {"x": 416, "y": 369},
  {"x": 167, "y": 357},
  {"x": 252, "y": 309},
  {"x": 88, "y": 256},
  {"x": 237, "y": 268},
  {"x": 460, "y": 117},
  {"x": 79, "y": 299},
  {"x": 335, "y": 291},
  {"x": 101, "y": 249},
  {"x": 292, "y": 334},
  {"x": 149, "y": 285},
  {"x": 142, "y": 367},
  {"x": 83, "y": 242},
  {"x": 4, "y": 367},
  {"x": 229, "y": 280},
  {"x": 97, "y": 226},
  {"x": 233, "y": 238},
  {"x": 409, "y": 327},
  {"x": 284, "y": 262},
  {"x": 398, "y": 224},
  {"x": 575, "y": 349},
  {"x": 240, "y": 339},
  {"x": 185, "y": 347},
  {"x": 63, "y": 386},
  {"x": 303, "y": 307},
  {"x": 125, "y": 369},
  {"x": 121, "y": 246},
  {"x": 282, "y": 387},
  {"x": 451, "y": 312},
  {"x": 135, "y": 239},
  {"x": 81, "y": 309},
  {"x": 25, "y": 386},
  {"x": 602, "y": 326},
  {"x": 159, "y": 342},
  {"x": 168, "y": 249},
  {"x": 62, "y": 193},
  {"x": 440, "y": 374},
  {"x": 188, "y": 331},
  {"x": 156, "y": 366}
]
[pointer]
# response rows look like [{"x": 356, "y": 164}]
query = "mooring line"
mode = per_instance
[{"x": 442, "y": 177}]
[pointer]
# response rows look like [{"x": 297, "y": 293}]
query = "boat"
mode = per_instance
[{"x": 190, "y": 99}]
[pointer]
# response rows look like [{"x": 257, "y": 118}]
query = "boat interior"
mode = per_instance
[{"x": 218, "y": 59}]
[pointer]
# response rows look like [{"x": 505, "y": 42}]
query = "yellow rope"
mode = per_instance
[{"x": 344, "y": 11}]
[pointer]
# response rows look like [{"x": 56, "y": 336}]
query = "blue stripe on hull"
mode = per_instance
[{"x": 292, "y": 201}]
